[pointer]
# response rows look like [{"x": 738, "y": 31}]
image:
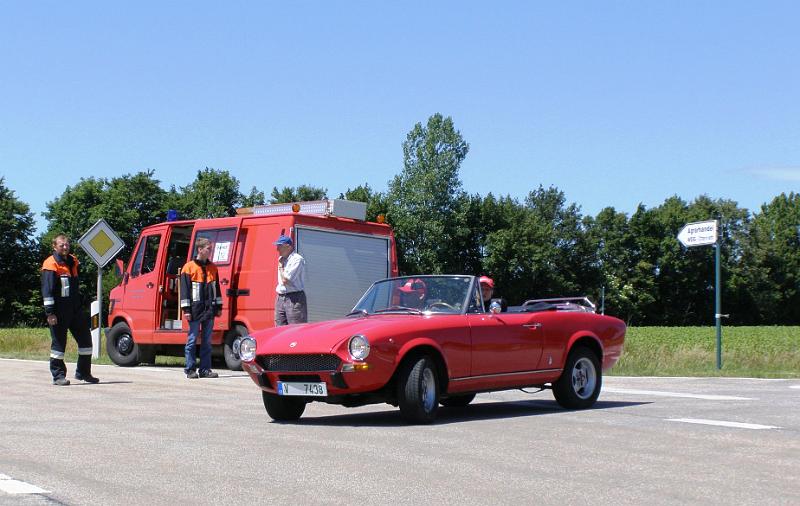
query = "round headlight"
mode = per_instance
[
  {"x": 247, "y": 349},
  {"x": 359, "y": 347}
]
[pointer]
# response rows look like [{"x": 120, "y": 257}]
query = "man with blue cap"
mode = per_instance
[{"x": 290, "y": 304}]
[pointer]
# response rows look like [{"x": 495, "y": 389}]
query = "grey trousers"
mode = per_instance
[{"x": 291, "y": 308}]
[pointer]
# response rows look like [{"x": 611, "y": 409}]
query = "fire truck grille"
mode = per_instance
[{"x": 299, "y": 363}]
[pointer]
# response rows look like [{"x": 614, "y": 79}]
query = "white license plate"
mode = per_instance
[{"x": 298, "y": 388}]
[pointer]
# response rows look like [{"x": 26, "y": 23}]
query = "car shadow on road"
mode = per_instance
[
  {"x": 473, "y": 412},
  {"x": 77, "y": 383}
]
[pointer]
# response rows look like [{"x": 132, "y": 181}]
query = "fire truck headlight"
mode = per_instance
[
  {"x": 247, "y": 349},
  {"x": 358, "y": 347}
]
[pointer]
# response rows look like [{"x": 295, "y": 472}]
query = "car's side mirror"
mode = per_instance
[
  {"x": 495, "y": 307},
  {"x": 119, "y": 270}
]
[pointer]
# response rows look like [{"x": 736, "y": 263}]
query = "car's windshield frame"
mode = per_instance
[{"x": 367, "y": 303}]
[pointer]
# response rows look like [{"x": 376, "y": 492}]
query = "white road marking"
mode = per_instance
[
  {"x": 658, "y": 393},
  {"x": 11, "y": 486},
  {"x": 721, "y": 423},
  {"x": 795, "y": 386}
]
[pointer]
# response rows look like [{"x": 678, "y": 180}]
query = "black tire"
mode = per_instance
[
  {"x": 283, "y": 409},
  {"x": 418, "y": 391},
  {"x": 457, "y": 401},
  {"x": 580, "y": 382},
  {"x": 231, "y": 347},
  {"x": 120, "y": 346}
]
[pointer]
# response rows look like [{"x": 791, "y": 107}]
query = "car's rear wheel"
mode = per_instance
[
  {"x": 418, "y": 391},
  {"x": 580, "y": 382},
  {"x": 283, "y": 409},
  {"x": 120, "y": 346},
  {"x": 457, "y": 401}
]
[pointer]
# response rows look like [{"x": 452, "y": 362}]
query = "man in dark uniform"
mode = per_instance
[
  {"x": 201, "y": 301},
  {"x": 62, "y": 305}
]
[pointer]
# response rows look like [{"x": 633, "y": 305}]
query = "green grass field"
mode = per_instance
[{"x": 759, "y": 352}]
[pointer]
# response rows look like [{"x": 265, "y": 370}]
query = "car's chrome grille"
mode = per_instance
[{"x": 299, "y": 363}]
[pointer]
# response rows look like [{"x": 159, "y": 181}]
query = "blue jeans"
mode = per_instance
[{"x": 205, "y": 345}]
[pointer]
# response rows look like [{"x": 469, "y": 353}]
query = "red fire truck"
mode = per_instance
[{"x": 344, "y": 254}]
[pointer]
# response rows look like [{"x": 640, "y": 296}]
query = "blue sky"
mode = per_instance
[{"x": 614, "y": 103}]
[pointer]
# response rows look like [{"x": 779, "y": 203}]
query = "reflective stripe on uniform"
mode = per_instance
[
  {"x": 195, "y": 290},
  {"x": 186, "y": 302},
  {"x": 64, "y": 286},
  {"x": 49, "y": 301},
  {"x": 219, "y": 301},
  {"x": 84, "y": 351},
  {"x": 56, "y": 354}
]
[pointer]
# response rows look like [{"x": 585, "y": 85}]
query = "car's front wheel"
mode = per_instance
[
  {"x": 580, "y": 382},
  {"x": 283, "y": 409},
  {"x": 418, "y": 391}
]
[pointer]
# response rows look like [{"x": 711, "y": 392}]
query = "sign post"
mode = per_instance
[
  {"x": 703, "y": 233},
  {"x": 102, "y": 244}
]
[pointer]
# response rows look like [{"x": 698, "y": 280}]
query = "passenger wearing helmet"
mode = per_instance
[
  {"x": 412, "y": 293},
  {"x": 487, "y": 289}
]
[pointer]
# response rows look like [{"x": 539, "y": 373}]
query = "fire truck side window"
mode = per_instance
[
  {"x": 146, "y": 256},
  {"x": 222, "y": 242}
]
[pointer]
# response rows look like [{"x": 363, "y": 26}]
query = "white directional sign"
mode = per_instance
[{"x": 699, "y": 233}]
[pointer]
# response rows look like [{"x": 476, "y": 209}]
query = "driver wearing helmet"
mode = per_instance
[
  {"x": 412, "y": 293},
  {"x": 487, "y": 289}
]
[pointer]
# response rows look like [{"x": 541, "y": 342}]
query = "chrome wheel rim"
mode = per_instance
[
  {"x": 584, "y": 378},
  {"x": 236, "y": 345}
]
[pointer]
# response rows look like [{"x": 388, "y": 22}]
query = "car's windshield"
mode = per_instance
[{"x": 416, "y": 294}]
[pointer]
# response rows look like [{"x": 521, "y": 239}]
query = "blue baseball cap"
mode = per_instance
[{"x": 284, "y": 239}]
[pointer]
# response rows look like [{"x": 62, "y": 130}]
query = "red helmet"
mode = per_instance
[
  {"x": 413, "y": 286},
  {"x": 486, "y": 280}
]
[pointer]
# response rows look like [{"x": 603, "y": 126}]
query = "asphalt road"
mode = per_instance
[{"x": 148, "y": 435}]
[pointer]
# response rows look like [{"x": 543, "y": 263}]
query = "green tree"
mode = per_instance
[
  {"x": 544, "y": 252},
  {"x": 128, "y": 203},
  {"x": 767, "y": 285},
  {"x": 213, "y": 194},
  {"x": 425, "y": 198},
  {"x": 626, "y": 278},
  {"x": 254, "y": 198},
  {"x": 681, "y": 288},
  {"x": 20, "y": 301},
  {"x": 302, "y": 193}
]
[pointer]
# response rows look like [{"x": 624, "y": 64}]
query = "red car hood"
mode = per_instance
[{"x": 324, "y": 337}]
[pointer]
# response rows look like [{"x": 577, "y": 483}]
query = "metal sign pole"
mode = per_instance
[
  {"x": 718, "y": 301},
  {"x": 102, "y": 244},
  {"x": 99, "y": 307},
  {"x": 703, "y": 233}
]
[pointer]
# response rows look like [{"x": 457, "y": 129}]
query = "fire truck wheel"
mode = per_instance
[
  {"x": 121, "y": 348},
  {"x": 231, "y": 350}
]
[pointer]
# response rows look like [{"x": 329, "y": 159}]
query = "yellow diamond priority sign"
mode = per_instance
[{"x": 101, "y": 243}]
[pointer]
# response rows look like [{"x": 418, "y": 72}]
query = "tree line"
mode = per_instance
[{"x": 535, "y": 247}]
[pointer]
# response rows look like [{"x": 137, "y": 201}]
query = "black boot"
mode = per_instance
[{"x": 84, "y": 369}]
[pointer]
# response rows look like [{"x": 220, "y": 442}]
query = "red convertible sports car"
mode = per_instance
[{"x": 420, "y": 341}]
